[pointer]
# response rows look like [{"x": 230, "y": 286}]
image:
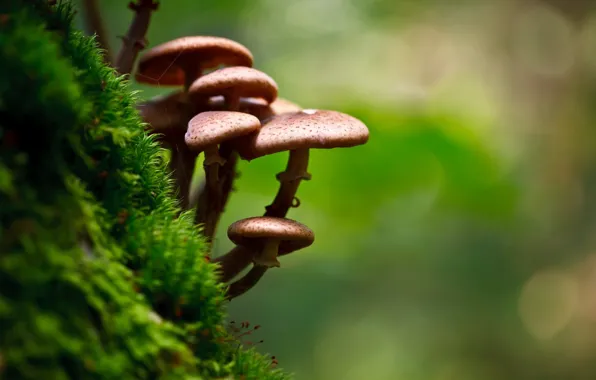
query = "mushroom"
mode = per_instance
[
  {"x": 178, "y": 63},
  {"x": 205, "y": 132},
  {"x": 236, "y": 260},
  {"x": 298, "y": 132},
  {"x": 270, "y": 237},
  {"x": 234, "y": 83}
]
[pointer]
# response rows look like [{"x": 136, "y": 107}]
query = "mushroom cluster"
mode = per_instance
[{"x": 233, "y": 111}]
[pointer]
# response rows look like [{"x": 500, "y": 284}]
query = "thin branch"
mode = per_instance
[
  {"x": 94, "y": 25},
  {"x": 135, "y": 40}
]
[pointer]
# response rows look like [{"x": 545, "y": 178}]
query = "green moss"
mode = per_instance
[{"x": 98, "y": 277}]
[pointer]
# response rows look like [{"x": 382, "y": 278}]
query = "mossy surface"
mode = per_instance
[{"x": 99, "y": 278}]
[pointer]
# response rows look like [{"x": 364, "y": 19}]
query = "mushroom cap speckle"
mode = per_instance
[
  {"x": 164, "y": 113},
  {"x": 164, "y": 64},
  {"x": 307, "y": 129},
  {"x": 242, "y": 81},
  {"x": 213, "y": 127},
  {"x": 252, "y": 233}
]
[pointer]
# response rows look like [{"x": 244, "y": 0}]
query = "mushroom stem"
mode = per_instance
[
  {"x": 191, "y": 73},
  {"x": 233, "y": 102},
  {"x": 207, "y": 214},
  {"x": 268, "y": 255},
  {"x": 246, "y": 283},
  {"x": 134, "y": 41},
  {"x": 210, "y": 207},
  {"x": 210, "y": 198},
  {"x": 227, "y": 175},
  {"x": 182, "y": 163},
  {"x": 195, "y": 195},
  {"x": 233, "y": 262},
  {"x": 296, "y": 170}
]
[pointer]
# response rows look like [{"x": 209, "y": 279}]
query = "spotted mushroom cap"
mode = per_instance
[
  {"x": 214, "y": 127},
  {"x": 164, "y": 113},
  {"x": 163, "y": 64},
  {"x": 252, "y": 233},
  {"x": 307, "y": 129},
  {"x": 243, "y": 81}
]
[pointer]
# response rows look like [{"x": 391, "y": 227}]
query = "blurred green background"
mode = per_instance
[{"x": 459, "y": 242}]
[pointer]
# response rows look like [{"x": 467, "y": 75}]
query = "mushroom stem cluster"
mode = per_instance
[
  {"x": 180, "y": 63},
  {"x": 234, "y": 113}
]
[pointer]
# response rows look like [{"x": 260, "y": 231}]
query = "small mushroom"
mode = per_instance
[
  {"x": 205, "y": 132},
  {"x": 298, "y": 132},
  {"x": 208, "y": 129},
  {"x": 180, "y": 61},
  {"x": 236, "y": 260},
  {"x": 270, "y": 237},
  {"x": 234, "y": 83}
]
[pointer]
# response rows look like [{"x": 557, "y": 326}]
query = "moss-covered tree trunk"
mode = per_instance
[{"x": 99, "y": 278}]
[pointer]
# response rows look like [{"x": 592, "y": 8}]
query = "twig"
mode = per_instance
[
  {"x": 135, "y": 40},
  {"x": 94, "y": 25}
]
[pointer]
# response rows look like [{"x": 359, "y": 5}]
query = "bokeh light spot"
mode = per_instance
[{"x": 547, "y": 303}]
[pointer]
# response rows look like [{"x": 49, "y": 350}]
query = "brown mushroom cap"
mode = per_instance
[
  {"x": 164, "y": 113},
  {"x": 252, "y": 233},
  {"x": 164, "y": 64},
  {"x": 214, "y": 127},
  {"x": 303, "y": 130},
  {"x": 241, "y": 81}
]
